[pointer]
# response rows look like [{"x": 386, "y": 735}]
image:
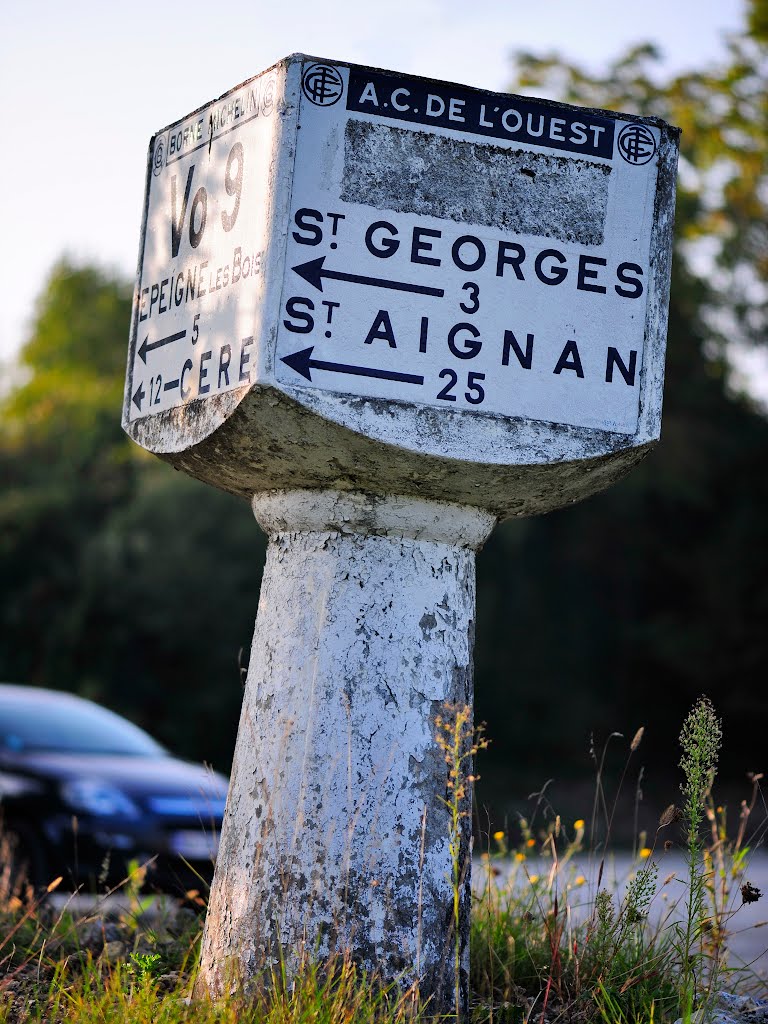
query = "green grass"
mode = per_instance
[
  {"x": 656, "y": 950},
  {"x": 547, "y": 944}
]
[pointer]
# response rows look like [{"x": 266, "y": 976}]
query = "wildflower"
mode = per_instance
[
  {"x": 579, "y": 880},
  {"x": 578, "y": 824},
  {"x": 533, "y": 879},
  {"x": 749, "y": 893},
  {"x": 484, "y": 856},
  {"x": 498, "y": 836},
  {"x": 671, "y": 814},
  {"x": 519, "y": 857},
  {"x": 700, "y": 739},
  {"x": 530, "y": 842},
  {"x": 645, "y": 853}
]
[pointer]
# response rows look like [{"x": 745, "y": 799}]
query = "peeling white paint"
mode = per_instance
[{"x": 363, "y": 633}]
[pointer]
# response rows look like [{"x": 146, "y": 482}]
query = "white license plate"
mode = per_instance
[{"x": 194, "y": 844}]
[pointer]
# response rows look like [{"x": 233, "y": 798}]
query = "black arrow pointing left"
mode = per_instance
[
  {"x": 149, "y": 346},
  {"x": 138, "y": 396},
  {"x": 314, "y": 272},
  {"x": 302, "y": 363}
]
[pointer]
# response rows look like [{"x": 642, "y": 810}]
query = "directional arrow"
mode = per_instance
[
  {"x": 138, "y": 396},
  {"x": 148, "y": 346},
  {"x": 314, "y": 272},
  {"x": 303, "y": 364}
]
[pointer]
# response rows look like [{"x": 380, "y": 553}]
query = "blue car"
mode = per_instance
[{"x": 83, "y": 792}]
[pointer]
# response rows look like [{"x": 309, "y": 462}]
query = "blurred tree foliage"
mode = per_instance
[
  {"x": 121, "y": 579},
  {"x": 137, "y": 586},
  {"x": 619, "y": 612}
]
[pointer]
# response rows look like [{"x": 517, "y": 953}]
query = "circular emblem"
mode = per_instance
[
  {"x": 268, "y": 96},
  {"x": 637, "y": 144},
  {"x": 158, "y": 157},
  {"x": 322, "y": 84}
]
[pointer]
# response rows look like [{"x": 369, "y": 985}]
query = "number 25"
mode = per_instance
[{"x": 475, "y": 394}]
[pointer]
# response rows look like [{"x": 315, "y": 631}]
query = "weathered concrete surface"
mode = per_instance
[
  {"x": 334, "y": 835},
  {"x": 245, "y": 440},
  {"x": 528, "y": 193},
  {"x": 271, "y": 441}
]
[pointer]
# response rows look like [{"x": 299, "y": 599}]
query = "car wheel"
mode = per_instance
[{"x": 22, "y": 860}]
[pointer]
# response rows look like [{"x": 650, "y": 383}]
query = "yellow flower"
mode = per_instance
[
  {"x": 530, "y": 842},
  {"x": 578, "y": 824},
  {"x": 498, "y": 836},
  {"x": 533, "y": 879},
  {"x": 519, "y": 857},
  {"x": 645, "y": 853},
  {"x": 579, "y": 880}
]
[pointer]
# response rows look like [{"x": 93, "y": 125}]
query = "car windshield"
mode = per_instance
[{"x": 76, "y": 727}]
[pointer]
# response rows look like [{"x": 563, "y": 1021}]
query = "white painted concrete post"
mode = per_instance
[{"x": 335, "y": 837}]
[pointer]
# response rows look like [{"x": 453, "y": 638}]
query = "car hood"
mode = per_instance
[{"x": 138, "y": 776}]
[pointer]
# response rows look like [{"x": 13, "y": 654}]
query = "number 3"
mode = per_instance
[{"x": 473, "y": 303}]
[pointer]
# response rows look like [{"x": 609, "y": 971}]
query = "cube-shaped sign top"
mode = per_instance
[{"x": 441, "y": 271}]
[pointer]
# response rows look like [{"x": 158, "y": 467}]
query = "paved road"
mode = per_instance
[{"x": 116, "y": 905}]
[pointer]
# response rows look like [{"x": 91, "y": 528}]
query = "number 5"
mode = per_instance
[
  {"x": 478, "y": 394},
  {"x": 195, "y": 328}
]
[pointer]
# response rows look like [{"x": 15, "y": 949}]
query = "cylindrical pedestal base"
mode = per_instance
[{"x": 336, "y": 837}]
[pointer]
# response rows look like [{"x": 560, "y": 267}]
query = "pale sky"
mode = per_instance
[{"x": 85, "y": 85}]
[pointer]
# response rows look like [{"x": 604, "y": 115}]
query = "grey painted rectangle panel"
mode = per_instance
[{"x": 468, "y": 182}]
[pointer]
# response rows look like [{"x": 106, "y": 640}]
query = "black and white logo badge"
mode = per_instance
[
  {"x": 268, "y": 96},
  {"x": 322, "y": 84},
  {"x": 637, "y": 144},
  {"x": 158, "y": 156}
]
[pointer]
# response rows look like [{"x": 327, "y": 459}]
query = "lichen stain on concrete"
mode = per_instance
[
  {"x": 177, "y": 428},
  {"x": 471, "y": 182},
  {"x": 427, "y": 623}
]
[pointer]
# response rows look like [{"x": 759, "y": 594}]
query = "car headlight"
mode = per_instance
[
  {"x": 12, "y": 785},
  {"x": 100, "y": 798}
]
